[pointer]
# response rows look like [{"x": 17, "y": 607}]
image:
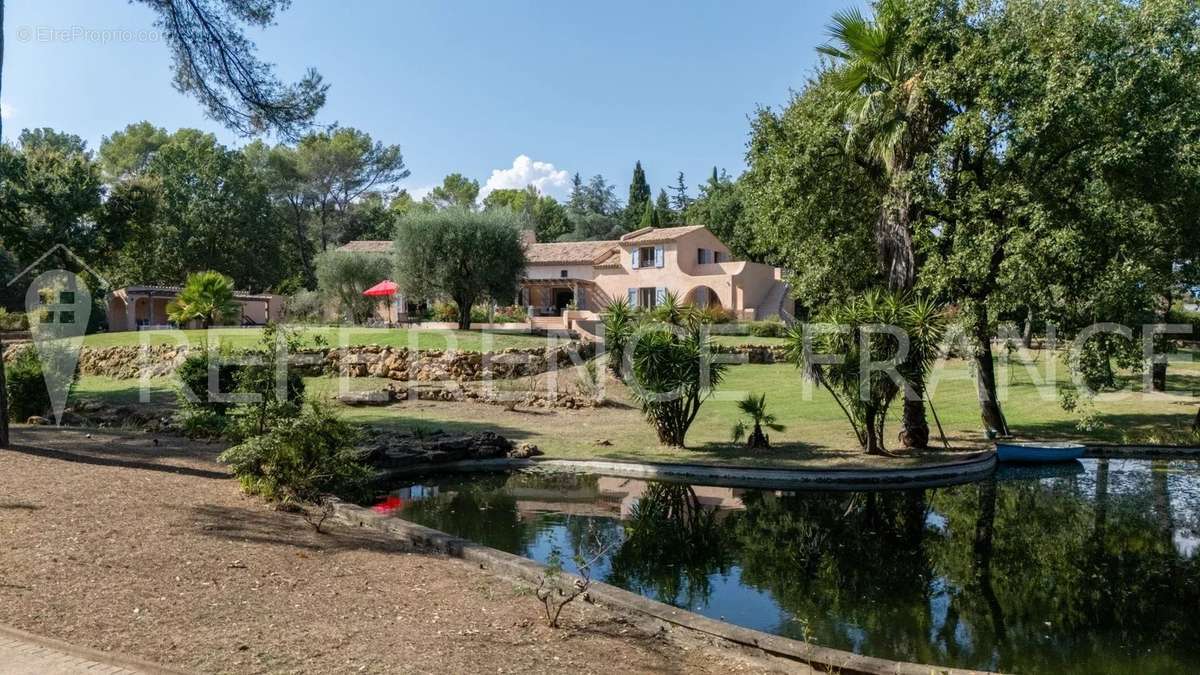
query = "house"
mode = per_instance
[
  {"x": 643, "y": 266},
  {"x": 137, "y": 307},
  {"x": 575, "y": 280}
]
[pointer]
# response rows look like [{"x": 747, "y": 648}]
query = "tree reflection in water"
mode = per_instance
[
  {"x": 672, "y": 545},
  {"x": 1090, "y": 573}
]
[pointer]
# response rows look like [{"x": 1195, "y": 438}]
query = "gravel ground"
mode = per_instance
[{"x": 116, "y": 542}]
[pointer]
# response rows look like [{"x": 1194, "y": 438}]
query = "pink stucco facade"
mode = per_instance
[{"x": 643, "y": 266}]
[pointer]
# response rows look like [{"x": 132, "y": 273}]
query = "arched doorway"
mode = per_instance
[{"x": 703, "y": 297}]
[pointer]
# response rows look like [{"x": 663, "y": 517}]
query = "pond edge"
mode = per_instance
[
  {"x": 967, "y": 469},
  {"x": 512, "y": 566}
]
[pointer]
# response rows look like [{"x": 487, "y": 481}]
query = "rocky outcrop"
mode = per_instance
[{"x": 389, "y": 450}]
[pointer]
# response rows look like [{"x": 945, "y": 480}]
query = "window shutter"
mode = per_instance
[
  {"x": 660, "y": 295},
  {"x": 636, "y": 258},
  {"x": 658, "y": 256},
  {"x": 633, "y": 297}
]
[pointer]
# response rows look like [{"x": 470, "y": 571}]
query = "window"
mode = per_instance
[
  {"x": 563, "y": 274},
  {"x": 66, "y": 297},
  {"x": 716, "y": 256},
  {"x": 648, "y": 298},
  {"x": 66, "y": 317},
  {"x": 702, "y": 256},
  {"x": 646, "y": 256}
]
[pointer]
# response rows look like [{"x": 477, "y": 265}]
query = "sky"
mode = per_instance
[{"x": 505, "y": 92}]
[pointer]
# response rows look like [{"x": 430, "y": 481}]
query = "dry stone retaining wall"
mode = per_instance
[{"x": 396, "y": 363}]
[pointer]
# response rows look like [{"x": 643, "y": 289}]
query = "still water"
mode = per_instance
[{"x": 1089, "y": 568}]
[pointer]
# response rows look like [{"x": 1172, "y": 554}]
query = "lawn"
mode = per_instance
[{"x": 816, "y": 429}]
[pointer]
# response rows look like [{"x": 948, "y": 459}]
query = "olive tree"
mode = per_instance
[
  {"x": 461, "y": 254},
  {"x": 344, "y": 275}
]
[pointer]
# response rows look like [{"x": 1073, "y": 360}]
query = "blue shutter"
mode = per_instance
[
  {"x": 658, "y": 256},
  {"x": 636, "y": 258},
  {"x": 633, "y": 297},
  {"x": 660, "y": 295}
]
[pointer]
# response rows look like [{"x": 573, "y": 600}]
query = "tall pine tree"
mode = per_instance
[
  {"x": 577, "y": 202},
  {"x": 639, "y": 196},
  {"x": 663, "y": 206},
  {"x": 680, "y": 200}
]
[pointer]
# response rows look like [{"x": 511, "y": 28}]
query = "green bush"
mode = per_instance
[
  {"x": 17, "y": 321},
  {"x": 304, "y": 307},
  {"x": 26, "y": 387},
  {"x": 193, "y": 376},
  {"x": 302, "y": 459},
  {"x": 198, "y": 422},
  {"x": 768, "y": 328}
]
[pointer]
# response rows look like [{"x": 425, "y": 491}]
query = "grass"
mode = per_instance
[
  {"x": 430, "y": 339},
  {"x": 816, "y": 433}
]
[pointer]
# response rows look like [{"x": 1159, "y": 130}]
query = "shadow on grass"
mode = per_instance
[
  {"x": 1119, "y": 427},
  {"x": 398, "y": 418}
]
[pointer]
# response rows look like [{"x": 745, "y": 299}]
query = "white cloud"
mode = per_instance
[
  {"x": 525, "y": 171},
  {"x": 418, "y": 193},
  {"x": 6, "y": 111}
]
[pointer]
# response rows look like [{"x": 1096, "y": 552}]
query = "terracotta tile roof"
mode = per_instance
[
  {"x": 611, "y": 259},
  {"x": 648, "y": 235},
  {"x": 578, "y": 252},
  {"x": 367, "y": 246}
]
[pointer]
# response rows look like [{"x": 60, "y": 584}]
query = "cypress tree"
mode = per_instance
[
  {"x": 663, "y": 206},
  {"x": 639, "y": 195},
  {"x": 650, "y": 217}
]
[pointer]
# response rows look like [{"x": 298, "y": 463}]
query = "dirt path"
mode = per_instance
[{"x": 115, "y": 543}]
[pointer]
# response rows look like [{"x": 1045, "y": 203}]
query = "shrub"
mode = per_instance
[
  {"x": 768, "y": 328},
  {"x": 302, "y": 459},
  {"x": 193, "y": 377},
  {"x": 199, "y": 422},
  {"x": 620, "y": 321},
  {"x": 26, "y": 387},
  {"x": 17, "y": 321},
  {"x": 304, "y": 307},
  {"x": 253, "y": 419},
  {"x": 444, "y": 311}
]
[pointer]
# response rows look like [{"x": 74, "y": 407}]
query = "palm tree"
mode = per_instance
[
  {"x": 889, "y": 120},
  {"x": 207, "y": 297},
  {"x": 755, "y": 407}
]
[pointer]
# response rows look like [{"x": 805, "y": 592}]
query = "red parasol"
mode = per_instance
[{"x": 382, "y": 288}]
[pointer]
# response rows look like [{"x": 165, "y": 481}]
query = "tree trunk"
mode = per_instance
[
  {"x": 758, "y": 440},
  {"x": 464, "y": 314},
  {"x": 1158, "y": 371},
  {"x": 3, "y": 380},
  {"x": 916, "y": 428},
  {"x": 1195, "y": 422},
  {"x": 985, "y": 375},
  {"x": 873, "y": 445},
  {"x": 1027, "y": 333}
]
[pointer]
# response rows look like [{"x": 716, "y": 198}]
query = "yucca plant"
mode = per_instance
[
  {"x": 674, "y": 370},
  {"x": 207, "y": 297},
  {"x": 619, "y": 323},
  {"x": 868, "y": 330},
  {"x": 755, "y": 407}
]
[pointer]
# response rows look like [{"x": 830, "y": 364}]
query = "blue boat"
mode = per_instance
[{"x": 1038, "y": 452}]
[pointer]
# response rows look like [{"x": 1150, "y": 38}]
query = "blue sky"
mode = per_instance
[{"x": 463, "y": 86}]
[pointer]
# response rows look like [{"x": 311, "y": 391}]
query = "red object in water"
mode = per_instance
[
  {"x": 382, "y": 288},
  {"x": 392, "y": 503}
]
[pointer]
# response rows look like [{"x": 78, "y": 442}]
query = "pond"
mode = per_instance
[{"x": 1092, "y": 568}]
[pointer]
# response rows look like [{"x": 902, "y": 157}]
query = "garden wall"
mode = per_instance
[{"x": 396, "y": 363}]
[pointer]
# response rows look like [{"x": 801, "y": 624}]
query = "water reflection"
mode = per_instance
[{"x": 1092, "y": 569}]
